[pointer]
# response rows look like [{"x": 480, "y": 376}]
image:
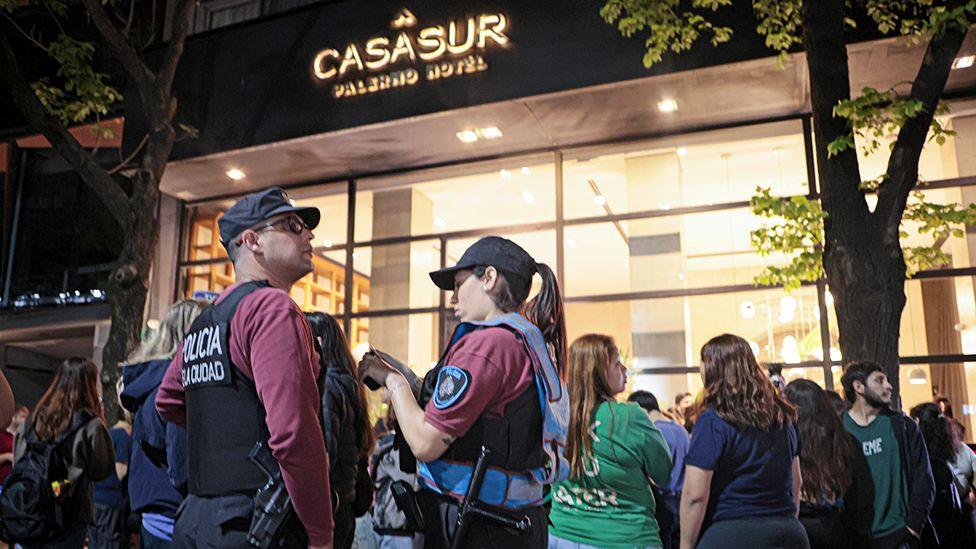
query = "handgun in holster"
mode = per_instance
[
  {"x": 472, "y": 507},
  {"x": 272, "y": 504}
]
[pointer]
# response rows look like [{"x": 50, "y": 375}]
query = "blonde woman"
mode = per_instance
[
  {"x": 614, "y": 451},
  {"x": 158, "y": 449}
]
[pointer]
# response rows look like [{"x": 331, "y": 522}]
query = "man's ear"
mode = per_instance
[
  {"x": 250, "y": 240},
  {"x": 858, "y": 387}
]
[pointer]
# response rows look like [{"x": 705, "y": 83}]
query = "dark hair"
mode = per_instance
[
  {"x": 336, "y": 354},
  {"x": 836, "y": 402},
  {"x": 545, "y": 310},
  {"x": 828, "y": 450},
  {"x": 738, "y": 388},
  {"x": 858, "y": 371},
  {"x": 74, "y": 388},
  {"x": 948, "y": 405},
  {"x": 935, "y": 430},
  {"x": 646, "y": 400}
]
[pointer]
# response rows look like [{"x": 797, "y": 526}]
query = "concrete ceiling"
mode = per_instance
[{"x": 725, "y": 94}]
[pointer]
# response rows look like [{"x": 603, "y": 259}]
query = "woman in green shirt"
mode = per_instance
[{"x": 615, "y": 453}]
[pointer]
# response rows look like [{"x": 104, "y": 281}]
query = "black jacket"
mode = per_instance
[
  {"x": 916, "y": 470},
  {"x": 341, "y": 413}
]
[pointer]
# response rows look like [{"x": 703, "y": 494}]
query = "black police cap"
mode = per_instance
[
  {"x": 256, "y": 207},
  {"x": 500, "y": 253}
]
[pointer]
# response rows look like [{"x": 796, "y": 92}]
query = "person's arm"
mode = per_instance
[
  {"x": 797, "y": 485},
  {"x": 121, "y": 469},
  {"x": 94, "y": 451},
  {"x": 922, "y": 496},
  {"x": 176, "y": 456},
  {"x": 694, "y": 502},
  {"x": 6, "y": 456},
  {"x": 283, "y": 366},
  {"x": 7, "y": 403},
  {"x": 170, "y": 399}
]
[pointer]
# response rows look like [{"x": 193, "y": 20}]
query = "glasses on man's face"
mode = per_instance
[{"x": 294, "y": 224}]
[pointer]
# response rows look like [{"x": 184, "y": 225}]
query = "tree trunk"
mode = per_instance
[{"x": 865, "y": 273}]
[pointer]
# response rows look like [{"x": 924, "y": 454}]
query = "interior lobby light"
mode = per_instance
[
  {"x": 571, "y": 242},
  {"x": 525, "y": 170},
  {"x": 528, "y": 197},
  {"x": 964, "y": 62},
  {"x": 835, "y": 354},
  {"x": 667, "y": 105},
  {"x": 491, "y": 132},
  {"x": 467, "y": 136},
  {"x": 236, "y": 174},
  {"x": 599, "y": 200},
  {"x": 747, "y": 309},
  {"x": 505, "y": 174},
  {"x": 682, "y": 151},
  {"x": 327, "y": 243},
  {"x": 917, "y": 377},
  {"x": 440, "y": 223}
]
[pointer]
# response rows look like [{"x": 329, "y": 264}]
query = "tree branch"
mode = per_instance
[
  {"x": 127, "y": 56},
  {"x": 181, "y": 24},
  {"x": 903, "y": 163},
  {"x": 108, "y": 191}
]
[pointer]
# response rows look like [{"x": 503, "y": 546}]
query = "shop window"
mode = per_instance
[
  {"x": 954, "y": 381},
  {"x": 412, "y": 339},
  {"x": 936, "y": 162},
  {"x": 663, "y": 253},
  {"x": 689, "y": 170},
  {"x": 398, "y": 275},
  {"x": 509, "y": 192}
]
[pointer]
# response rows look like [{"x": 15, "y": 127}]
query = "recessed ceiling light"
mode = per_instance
[
  {"x": 236, "y": 174},
  {"x": 528, "y": 197},
  {"x": 571, "y": 242},
  {"x": 327, "y": 243},
  {"x": 525, "y": 170},
  {"x": 505, "y": 174},
  {"x": 667, "y": 105},
  {"x": 964, "y": 62},
  {"x": 681, "y": 276},
  {"x": 599, "y": 200},
  {"x": 491, "y": 132},
  {"x": 440, "y": 223},
  {"x": 467, "y": 136},
  {"x": 682, "y": 151}
]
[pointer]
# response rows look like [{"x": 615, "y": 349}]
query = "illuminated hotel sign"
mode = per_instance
[{"x": 435, "y": 52}]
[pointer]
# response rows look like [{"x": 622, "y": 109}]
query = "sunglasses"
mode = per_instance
[{"x": 294, "y": 224}]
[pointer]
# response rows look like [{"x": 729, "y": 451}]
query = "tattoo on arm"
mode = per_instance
[{"x": 448, "y": 440}]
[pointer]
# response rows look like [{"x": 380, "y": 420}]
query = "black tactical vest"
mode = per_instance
[
  {"x": 224, "y": 417},
  {"x": 514, "y": 438}
]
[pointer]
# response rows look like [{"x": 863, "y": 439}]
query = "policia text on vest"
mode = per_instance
[{"x": 202, "y": 356}]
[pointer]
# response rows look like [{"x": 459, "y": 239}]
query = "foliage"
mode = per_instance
[
  {"x": 874, "y": 115},
  {"x": 794, "y": 227},
  {"x": 79, "y": 92}
]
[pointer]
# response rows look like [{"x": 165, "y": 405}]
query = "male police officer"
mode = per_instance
[{"x": 247, "y": 374}]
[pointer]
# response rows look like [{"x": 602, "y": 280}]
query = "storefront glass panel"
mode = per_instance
[
  {"x": 955, "y": 381},
  {"x": 509, "y": 192},
  {"x": 698, "y": 169},
  {"x": 397, "y": 275}
]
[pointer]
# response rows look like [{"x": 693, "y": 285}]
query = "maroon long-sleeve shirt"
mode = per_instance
[{"x": 271, "y": 343}]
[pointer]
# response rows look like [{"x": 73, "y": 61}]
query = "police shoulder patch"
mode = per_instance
[{"x": 452, "y": 383}]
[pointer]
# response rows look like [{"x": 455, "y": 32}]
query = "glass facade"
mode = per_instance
[{"x": 650, "y": 240}]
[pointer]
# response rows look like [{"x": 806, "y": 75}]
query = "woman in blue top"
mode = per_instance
[
  {"x": 742, "y": 476},
  {"x": 158, "y": 461}
]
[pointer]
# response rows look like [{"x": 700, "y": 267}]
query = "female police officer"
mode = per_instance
[{"x": 496, "y": 385}]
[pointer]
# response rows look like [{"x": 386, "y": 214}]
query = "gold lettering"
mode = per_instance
[
  {"x": 377, "y": 54},
  {"x": 351, "y": 58},
  {"x": 412, "y": 76},
  {"x": 453, "y": 45},
  {"x": 492, "y": 26},
  {"x": 404, "y": 46},
  {"x": 432, "y": 40},
  {"x": 384, "y": 81},
  {"x": 318, "y": 66}
]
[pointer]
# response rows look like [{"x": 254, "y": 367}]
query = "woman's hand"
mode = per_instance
[{"x": 375, "y": 368}]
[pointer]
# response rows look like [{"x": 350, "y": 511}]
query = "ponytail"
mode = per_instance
[{"x": 545, "y": 310}]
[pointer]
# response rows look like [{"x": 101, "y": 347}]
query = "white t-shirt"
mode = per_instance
[{"x": 963, "y": 468}]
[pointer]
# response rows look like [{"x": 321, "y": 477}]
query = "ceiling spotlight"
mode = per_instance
[
  {"x": 599, "y": 200},
  {"x": 467, "y": 136},
  {"x": 681, "y": 276},
  {"x": 964, "y": 62},
  {"x": 667, "y": 105},
  {"x": 917, "y": 377},
  {"x": 747, "y": 309},
  {"x": 682, "y": 151},
  {"x": 236, "y": 174},
  {"x": 528, "y": 197},
  {"x": 571, "y": 242},
  {"x": 327, "y": 243},
  {"x": 491, "y": 132},
  {"x": 439, "y": 223},
  {"x": 505, "y": 174},
  {"x": 525, "y": 170}
]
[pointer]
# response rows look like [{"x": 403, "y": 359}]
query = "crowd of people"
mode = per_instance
[{"x": 516, "y": 438}]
